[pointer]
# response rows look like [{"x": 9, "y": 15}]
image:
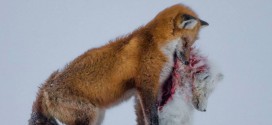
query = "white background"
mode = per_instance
[{"x": 40, "y": 36}]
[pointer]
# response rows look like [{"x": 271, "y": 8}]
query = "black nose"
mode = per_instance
[
  {"x": 186, "y": 62},
  {"x": 204, "y": 110}
]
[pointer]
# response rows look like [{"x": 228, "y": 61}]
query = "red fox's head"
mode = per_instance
[{"x": 178, "y": 22}]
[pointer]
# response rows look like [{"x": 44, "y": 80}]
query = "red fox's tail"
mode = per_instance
[
  {"x": 39, "y": 115},
  {"x": 40, "y": 119}
]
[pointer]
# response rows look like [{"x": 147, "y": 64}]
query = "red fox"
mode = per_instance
[{"x": 102, "y": 77}]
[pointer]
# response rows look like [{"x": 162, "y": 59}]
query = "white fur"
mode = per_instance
[
  {"x": 188, "y": 24},
  {"x": 59, "y": 122},
  {"x": 168, "y": 50},
  {"x": 179, "y": 110},
  {"x": 176, "y": 112}
]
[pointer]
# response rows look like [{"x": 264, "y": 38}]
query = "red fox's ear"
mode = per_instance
[
  {"x": 188, "y": 22},
  {"x": 203, "y": 23}
]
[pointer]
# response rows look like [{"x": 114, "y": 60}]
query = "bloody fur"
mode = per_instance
[{"x": 175, "y": 80}]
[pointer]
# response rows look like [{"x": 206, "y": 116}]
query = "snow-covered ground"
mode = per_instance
[{"x": 40, "y": 36}]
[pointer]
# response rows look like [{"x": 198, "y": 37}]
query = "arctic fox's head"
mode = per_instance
[{"x": 203, "y": 86}]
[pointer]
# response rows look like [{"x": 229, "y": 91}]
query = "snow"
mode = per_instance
[{"x": 38, "y": 37}]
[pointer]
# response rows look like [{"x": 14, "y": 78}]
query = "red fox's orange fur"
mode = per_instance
[{"x": 104, "y": 76}]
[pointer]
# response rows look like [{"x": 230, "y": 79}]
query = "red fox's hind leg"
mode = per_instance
[{"x": 73, "y": 110}]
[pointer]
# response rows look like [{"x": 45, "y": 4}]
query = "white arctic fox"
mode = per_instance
[{"x": 189, "y": 88}]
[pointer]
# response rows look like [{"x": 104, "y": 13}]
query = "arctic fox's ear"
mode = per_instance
[
  {"x": 188, "y": 22},
  {"x": 219, "y": 77}
]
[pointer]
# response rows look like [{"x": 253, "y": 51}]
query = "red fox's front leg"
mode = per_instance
[
  {"x": 148, "y": 102},
  {"x": 148, "y": 87},
  {"x": 139, "y": 112},
  {"x": 149, "y": 106}
]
